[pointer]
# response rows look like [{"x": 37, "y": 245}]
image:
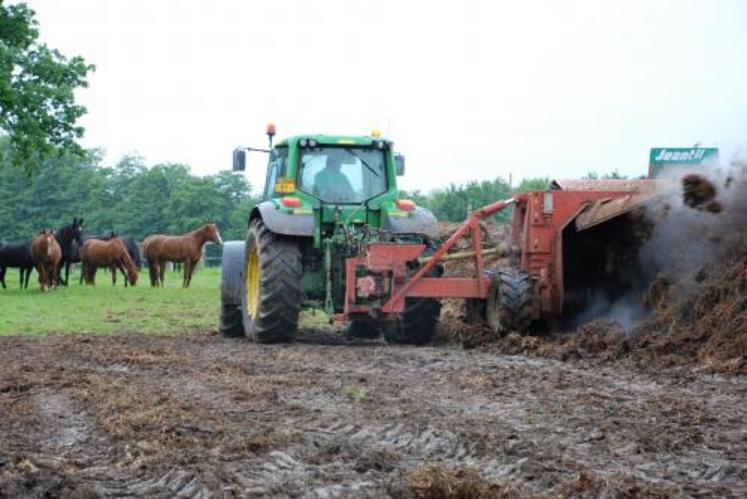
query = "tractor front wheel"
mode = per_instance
[{"x": 509, "y": 304}]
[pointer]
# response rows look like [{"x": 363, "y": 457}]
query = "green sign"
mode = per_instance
[{"x": 664, "y": 159}]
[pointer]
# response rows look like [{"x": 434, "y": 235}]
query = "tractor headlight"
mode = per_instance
[
  {"x": 303, "y": 142},
  {"x": 312, "y": 143},
  {"x": 379, "y": 144}
]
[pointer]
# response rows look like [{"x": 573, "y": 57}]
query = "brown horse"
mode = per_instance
[
  {"x": 46, "y": 254},
  {"x": 159, "y": 249},
  {"x": 111, "y": 254}
]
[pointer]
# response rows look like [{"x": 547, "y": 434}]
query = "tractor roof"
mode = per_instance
[{"x": 322, "y": 139}]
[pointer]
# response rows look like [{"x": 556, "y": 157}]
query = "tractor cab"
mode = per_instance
[{"x": 326, "y": 181}]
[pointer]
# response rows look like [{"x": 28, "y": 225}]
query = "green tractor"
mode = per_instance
[{"x": 326, "y": 199}]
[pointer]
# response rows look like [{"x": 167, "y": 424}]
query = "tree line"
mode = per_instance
[
  {"x": 127, "y": 198},
  {"x": 455, "y": 202}
]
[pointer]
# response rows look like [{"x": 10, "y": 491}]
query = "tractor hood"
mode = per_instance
[
  {"x": 419, "y": 221},
  {"x": 301, "y": 222}
]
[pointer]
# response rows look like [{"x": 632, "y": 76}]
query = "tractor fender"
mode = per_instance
[
  {"x": 422, "y": 221},
  {"x": 283, "y": 223}
]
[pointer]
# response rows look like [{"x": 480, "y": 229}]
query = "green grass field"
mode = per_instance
[{"x": 106, "y": 309}]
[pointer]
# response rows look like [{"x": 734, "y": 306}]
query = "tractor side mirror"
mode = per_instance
[
  {"x": 399, "y": 164},
  {"x": 239, "y": 160}
]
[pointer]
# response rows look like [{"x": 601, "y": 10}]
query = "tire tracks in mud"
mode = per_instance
[
  {"x": 66, "y": 454},
  {"x": 365, "y": 452},
  {"x": 200, "y": 416}
]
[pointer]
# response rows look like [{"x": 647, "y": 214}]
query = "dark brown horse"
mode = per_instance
[
  {"x": 111, "y": 254},
  {"x": 159, "y": 249},
  {"x": 46, "y": 254},
  {"x": 16, "y": 254}
]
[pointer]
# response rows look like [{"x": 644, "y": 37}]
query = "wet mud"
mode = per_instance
[{"x": 202, "y": 416}]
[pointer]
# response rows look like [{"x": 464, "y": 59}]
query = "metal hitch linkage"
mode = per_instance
[{"x": 391, "y": 260}]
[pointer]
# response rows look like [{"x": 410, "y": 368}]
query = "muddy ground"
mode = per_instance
[{"x": 198, "y": 415}]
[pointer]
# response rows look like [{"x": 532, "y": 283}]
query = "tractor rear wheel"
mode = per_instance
[
  {"x": 509, "y": 304},
  {"x": 272, "y": 301},
  {"x": 232, "y": 289}
]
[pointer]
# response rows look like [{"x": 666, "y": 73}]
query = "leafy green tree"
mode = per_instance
[
  {"x": 62, "y": 188},
  {"x": 192, "y": 204},
  {"x": 454, "y": 203},
  {"x": 238, "y": 219},
  {"x": 37, "y": 84}
]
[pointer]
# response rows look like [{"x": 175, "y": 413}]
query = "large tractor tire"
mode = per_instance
[
  {"x": 270, "y": 287},
  {"x": 232, "y": 288},
  {"x": 509, "y": 304}
]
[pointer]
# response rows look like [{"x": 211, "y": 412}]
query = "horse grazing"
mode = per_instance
[
  {"x": 110, "y": 254},
  {"x": 46, "y": 253},
  {"x": 133, "y": 250},
  {"x": 16, "y": 255},
  {"x": 159, "y": 249},
  {"x": 70, "y": 239}
]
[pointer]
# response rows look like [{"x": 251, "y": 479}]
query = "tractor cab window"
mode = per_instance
[
  {"x": 343, "y": 174},
  {"x": 277, "y": 168}
]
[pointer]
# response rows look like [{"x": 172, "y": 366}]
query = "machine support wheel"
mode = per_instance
[
  {"x": 367, "y": 330},
  {"x": 509, "y": 304},
  {"x": 420, "y": 317},
  {"x": 418, "y": 323},
  {"x": 271, "y": 302}
]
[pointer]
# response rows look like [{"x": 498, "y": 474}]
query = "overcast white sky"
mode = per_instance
[{"x": 466, "y": 89}]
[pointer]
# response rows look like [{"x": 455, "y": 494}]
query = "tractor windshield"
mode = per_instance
[{"x": 343, "y": 174}]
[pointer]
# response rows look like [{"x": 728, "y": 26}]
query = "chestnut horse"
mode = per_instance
[
  {"x": 46, "y": 254},
  {"x": 111, "y": 254},
  {"x": 159, "y": 249}
]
